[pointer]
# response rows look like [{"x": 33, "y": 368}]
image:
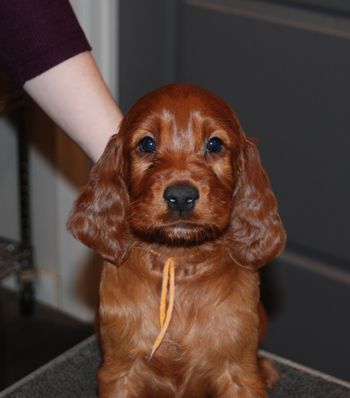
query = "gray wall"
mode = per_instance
[
  {"x": 291, "y": 89},
  {"x": 147, "y": 51},
  {"x": 285, "y": 69}
]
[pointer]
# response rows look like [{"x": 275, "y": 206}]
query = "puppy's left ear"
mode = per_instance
[
  {"x": 256, "y": 232},
  {"x": 98, "y": 218}
]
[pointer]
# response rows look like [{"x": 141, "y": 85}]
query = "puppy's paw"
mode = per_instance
[{"x": 268, "y": 371}]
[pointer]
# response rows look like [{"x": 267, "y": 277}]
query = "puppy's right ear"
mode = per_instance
[{"x": 98, "y": 218}]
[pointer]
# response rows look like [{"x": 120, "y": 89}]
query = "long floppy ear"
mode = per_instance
[
  {"x": 98, "y": 218},
  {"x": 256, "y": 233}
]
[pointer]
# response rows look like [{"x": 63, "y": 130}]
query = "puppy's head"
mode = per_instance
[{"x": 180, "y": 172}]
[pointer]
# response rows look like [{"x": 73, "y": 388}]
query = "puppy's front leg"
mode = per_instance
[
  {"x": 112, "y": 384},
  {"x": 227, "y": 386},
  {"x": 116, "y": 381},
  {"x": 138, "y": 381}
]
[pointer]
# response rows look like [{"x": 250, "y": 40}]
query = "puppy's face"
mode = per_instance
[
  {"x": 182, "y": 162},
  {"x": 180, "y": 172}
]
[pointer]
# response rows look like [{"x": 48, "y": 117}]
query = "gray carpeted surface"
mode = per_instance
[
  {"x": 28, "y": 342},
  {"x": 73, "y": 374}
]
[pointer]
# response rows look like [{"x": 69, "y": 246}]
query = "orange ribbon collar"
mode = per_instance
[{"x": 166, "y": 311}]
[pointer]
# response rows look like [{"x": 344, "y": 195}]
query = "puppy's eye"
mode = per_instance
[
  {"x": 214, "y": 145},
  {"x": 148, "y": 145}
]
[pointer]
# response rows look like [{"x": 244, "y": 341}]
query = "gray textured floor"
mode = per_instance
[
  {"x": 73, "y": 374},
  {"x": 29, "y": 342}
]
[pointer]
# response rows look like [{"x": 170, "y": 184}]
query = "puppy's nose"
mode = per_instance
[{"x": 181, "y": 197}]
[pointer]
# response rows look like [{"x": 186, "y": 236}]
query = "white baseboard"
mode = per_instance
[{"x": 323, "y": 268}]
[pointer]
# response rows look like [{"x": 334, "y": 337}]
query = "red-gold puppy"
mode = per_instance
[{"x": 182, "y": 211}]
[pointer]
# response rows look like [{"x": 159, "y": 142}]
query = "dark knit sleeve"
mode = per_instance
[{"x": 36, "y": 35}]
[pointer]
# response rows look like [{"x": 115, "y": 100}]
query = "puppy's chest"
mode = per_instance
[
  {"x": 206, "y": 317},
  {"x": 207, "y": 313}
]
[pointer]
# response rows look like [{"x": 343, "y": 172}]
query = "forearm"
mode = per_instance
[{"x": 75, "y": 96}]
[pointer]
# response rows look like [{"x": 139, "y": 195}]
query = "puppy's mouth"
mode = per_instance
[{"x": 180, "y": 233}]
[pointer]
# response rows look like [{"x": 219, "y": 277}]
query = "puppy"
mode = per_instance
[{"x": 182, "y": 211}]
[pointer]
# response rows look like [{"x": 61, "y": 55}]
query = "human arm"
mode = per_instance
[
  {"x": 74, "y": 94},
  {"x": 43, "y": 47}
]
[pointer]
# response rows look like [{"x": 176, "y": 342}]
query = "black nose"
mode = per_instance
[{"x": 181, "y": 197}]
